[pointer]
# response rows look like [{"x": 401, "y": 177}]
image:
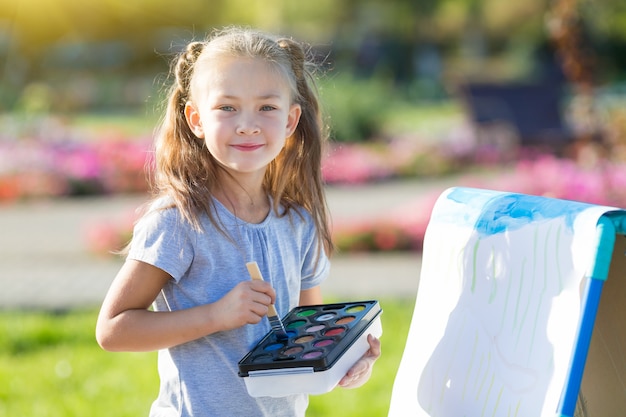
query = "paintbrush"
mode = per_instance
[{"x": 272, "y": 315}]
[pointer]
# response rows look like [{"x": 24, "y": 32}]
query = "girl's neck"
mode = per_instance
[{"x": 249, "y": 202}]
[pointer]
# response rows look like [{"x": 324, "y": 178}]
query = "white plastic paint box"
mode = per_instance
[{"x": 324, "y": 342}]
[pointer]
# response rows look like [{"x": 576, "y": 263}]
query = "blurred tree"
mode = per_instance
[{"x": 402, "y": 40}]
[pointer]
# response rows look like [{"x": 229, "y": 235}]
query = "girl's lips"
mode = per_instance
[{"x": 247, "y": 147}]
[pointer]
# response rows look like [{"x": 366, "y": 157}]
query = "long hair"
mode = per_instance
[{"x": 186, "y": 172}]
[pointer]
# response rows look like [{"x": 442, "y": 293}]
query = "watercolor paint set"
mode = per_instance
[{"x": 324, "y": 342}]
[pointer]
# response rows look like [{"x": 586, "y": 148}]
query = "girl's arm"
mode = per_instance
[
  {"x": 311, "y": 296},
  {"x": 125, "y": 322}
]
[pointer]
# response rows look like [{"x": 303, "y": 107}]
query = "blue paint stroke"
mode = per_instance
[{"x": 492, "y": 212}]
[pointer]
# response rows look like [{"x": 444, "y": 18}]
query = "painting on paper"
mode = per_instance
[{"x": 497, "y": 306}]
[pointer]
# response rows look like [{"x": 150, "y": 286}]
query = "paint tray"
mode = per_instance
[{"x": 324, "y": 342}]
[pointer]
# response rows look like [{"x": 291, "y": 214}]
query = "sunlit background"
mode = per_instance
[
  {"x": 106, "y": 55},
  {"x": 524, "y": 96}
]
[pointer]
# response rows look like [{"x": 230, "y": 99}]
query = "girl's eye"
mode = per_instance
[
  {"x": 267, "y": 108},
  {"x": 227, "y": 108}
]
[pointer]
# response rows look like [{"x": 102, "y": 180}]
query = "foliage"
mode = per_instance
[
  {"x": 51, "y": 366},
  {"x": 439, "y": 21},
  {"x": 357, "y": 108},
  {"x": 77, "y": 54}
]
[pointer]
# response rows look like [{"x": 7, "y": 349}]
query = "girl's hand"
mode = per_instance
[
  {"x": 246, "y": 303},
  {"x": 362, "y": 370}
]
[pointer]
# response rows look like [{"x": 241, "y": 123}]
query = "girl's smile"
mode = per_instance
[{"x": 247, "y": 147}]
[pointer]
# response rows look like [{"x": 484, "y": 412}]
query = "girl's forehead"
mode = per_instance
[{"x": 238, "y": 73}]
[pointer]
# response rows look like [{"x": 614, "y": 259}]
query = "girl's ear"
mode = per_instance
[
  {"x": 193, "y": 120},
  {"x": 295, "y": 111}
]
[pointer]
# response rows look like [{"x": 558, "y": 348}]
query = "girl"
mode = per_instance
[{"x": 238, "y": 158}]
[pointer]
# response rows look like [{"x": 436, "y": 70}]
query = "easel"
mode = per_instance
[
  {"x": 503, "y": 324},
  {"x": 603, "y": 389}
]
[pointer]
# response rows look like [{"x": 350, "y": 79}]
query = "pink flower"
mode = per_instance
[{"x": 355, "y": 164}]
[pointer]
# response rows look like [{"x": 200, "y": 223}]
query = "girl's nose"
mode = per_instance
[{"x": 248, "y": 126}]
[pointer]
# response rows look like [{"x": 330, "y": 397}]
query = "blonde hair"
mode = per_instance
[{"x": 186, "y": 172}]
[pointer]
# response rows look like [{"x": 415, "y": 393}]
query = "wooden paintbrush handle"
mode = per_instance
[
  {"x": 255, "y": 274},
  {"x": 271, "y": 311},
  {"x": 254, "y": 271}
]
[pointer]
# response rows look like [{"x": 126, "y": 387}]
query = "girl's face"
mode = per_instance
[{"x": 242, "y": 108}]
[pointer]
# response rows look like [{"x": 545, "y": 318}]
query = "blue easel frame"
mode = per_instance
[{"x": 609, "y": 225}]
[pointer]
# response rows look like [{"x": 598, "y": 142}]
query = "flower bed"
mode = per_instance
[
  {"x": 45, "y": 156},
  {"x": 60, "y": 168},
  {"x": 404, "y": 228},
  {"x": 63, "y": 164},
  {"x": 30, "y": 169}
]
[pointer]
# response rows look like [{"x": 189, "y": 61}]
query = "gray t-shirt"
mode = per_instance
[{"x": 200, "y": 378}]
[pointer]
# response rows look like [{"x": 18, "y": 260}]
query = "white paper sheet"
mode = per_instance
[{"x": 497, "y": 306}]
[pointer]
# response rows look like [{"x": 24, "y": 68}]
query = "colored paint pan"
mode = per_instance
[{"x": 324, "y": 342}]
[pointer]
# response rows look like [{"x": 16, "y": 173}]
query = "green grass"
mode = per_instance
[{"x": 51, "y": 366}]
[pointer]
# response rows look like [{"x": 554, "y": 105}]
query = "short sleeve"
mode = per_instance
[
  {"x": 316, "y": 273},
  {"x": 316, "y": 265},
  {"x": 162, "y": 239}
]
